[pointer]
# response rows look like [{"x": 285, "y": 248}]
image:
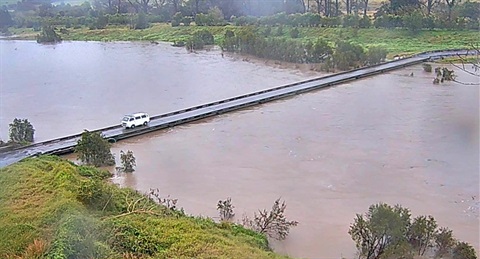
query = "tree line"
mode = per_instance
[{"x": 392, "y": 13}]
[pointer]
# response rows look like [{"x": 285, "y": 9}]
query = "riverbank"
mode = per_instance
[
  {"x": 50, "y": 207},
  {"x": 396, "y": 41}
]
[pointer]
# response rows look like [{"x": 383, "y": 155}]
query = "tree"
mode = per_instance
[
  {"x": 413, "y": 21},
  {"x": 381, "y": 229},
  {"x": 93, "y": 149},
  {"x": 225, "y": 208},
  {"x": 444, "y": 242},
  {"x": 421, "y": 233},
  {"x": 5, "y": 18},
  {"x": 128, "y": 161},
  {"x": 450, "y": 5},
  {"x": 464, "y": 251},
  {"x": 48, "y": 34},
  {"x": 348, "y": 55},
  {"x": 21, "y": 131},
  {"x": 273, "y": 223}
]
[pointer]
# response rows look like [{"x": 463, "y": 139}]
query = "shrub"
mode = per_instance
[
  {"x": 273, "y": 222},
  {"x": 176, "y": 19},
  {"x": 142, "y": 22},
  {"x": 427, "y": 67},
  {"x": 375, "y": 55},
  {"x": 294, "y": 33}
]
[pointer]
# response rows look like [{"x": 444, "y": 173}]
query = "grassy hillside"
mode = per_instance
[
  {"x": 51, "y": 208},
  {"x": 396, "y": 41}
]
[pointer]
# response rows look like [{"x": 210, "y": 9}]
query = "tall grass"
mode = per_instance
[{"x": 52, "y": 208}]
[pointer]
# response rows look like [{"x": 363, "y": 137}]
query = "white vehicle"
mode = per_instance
[{"x": 137, "y": 119}]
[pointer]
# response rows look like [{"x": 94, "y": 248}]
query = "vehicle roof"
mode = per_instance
[{"x": 136, "y": 114}]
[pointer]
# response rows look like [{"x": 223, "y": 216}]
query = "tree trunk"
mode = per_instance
[
  {"x": 336, "y": 8},
  {"x": 365, "y": 7}
]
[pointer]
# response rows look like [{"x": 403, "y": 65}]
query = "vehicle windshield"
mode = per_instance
[{"x": 126, "y": 118}]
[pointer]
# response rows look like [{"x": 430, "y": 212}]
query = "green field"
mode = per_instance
[
  {"x": 396, "y": 41},
  {"x": 51, "y": 208}
]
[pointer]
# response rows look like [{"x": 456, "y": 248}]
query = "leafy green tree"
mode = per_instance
[
  {"x": 444, "y": 242},
  {"x": 421, "y": 233},
  {"x": 229, "y": 41},
  {"x": 21, "y": 131},
  {"x": 381, "y": 229},
  {"x": 93, "y": 149},
  {"x": 413, "y": 21},
  {"x": 128, "y": 161},
  {"x": 463, "y": 251},
  {"x": 348, "y": 55},
  {"x": 48, "y": 34}
]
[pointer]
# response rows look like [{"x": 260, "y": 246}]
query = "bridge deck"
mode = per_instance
[{"x": 67, "y": 144}]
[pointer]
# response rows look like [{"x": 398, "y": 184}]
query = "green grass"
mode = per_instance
[
  {"x": 396, "y": 41},
  {"x": 51, "y": 208}
]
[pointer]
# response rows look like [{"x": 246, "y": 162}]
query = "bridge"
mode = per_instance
[{"x": 115, "y": 133}]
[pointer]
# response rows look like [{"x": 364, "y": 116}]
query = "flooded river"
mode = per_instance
[{"x": 329, "y": 154}]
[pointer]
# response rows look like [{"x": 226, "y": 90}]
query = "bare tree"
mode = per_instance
[
  {"x": 450, "y": 5},
  {"x": 365, "y": 6},
  {"x": 469, "y": 64},
  {"x": 429, "y": 4},
  {"x": 225, "y": 208},
  {"x": 318, "y": 4},
  {"x": 273, "y": 223}
]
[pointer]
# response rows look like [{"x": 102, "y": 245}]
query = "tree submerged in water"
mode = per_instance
[
  {"x": 48, "y": 35},
  {"x": 443, "y": 74},
  {"x": 128, "y": 161}
]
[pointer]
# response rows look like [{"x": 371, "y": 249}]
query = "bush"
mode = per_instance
[
  {"x": 142, "y": 22},
  {"x": 413, "y": 21},
  {"x": 427, "y": 67},
  {"x": 187, "y": 20},
  {"x": 273, "y": 222},
  {"x": 375, "y": 55},
  {"x": 21, "y": 131},
  {"x": 294, "y": 33},
  {"x": 348, "y": 55},
  {"x": 176, "y": 19},
  {"x": 93, "y": 149}
]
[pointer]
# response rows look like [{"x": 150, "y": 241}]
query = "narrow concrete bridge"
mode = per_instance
[{"x": 67, "y": 144}]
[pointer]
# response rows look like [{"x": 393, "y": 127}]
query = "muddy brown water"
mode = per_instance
[{"x": 329, "y": 154}]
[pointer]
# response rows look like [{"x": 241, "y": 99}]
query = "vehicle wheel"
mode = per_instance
[
  {"x": 133, "y": 126},
  {"x": 145, "y": 124}
]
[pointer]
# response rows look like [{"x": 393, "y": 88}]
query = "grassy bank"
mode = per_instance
[
  {"x": 396, "y": 41},
  {"x": 51, "y": 208}
]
